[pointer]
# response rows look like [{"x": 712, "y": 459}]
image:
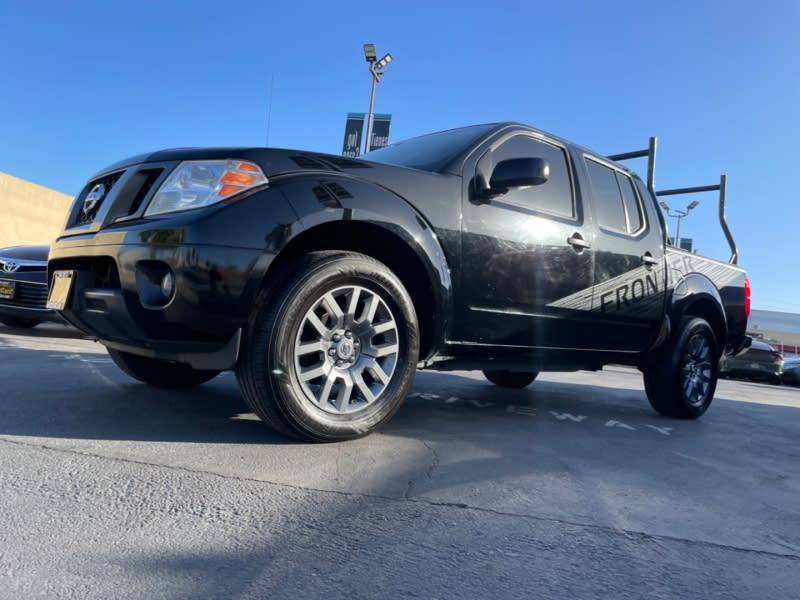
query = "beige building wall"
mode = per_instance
[{"x": 30, "y": 213}]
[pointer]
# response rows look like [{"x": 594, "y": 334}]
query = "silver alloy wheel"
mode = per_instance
[
  {"x": 346, "y": 350},
  {"x": 697, "y": 369}
]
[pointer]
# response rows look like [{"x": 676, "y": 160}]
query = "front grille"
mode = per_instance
[
  {"x": 127, "y": 191},
  {"x": 144, "y": 182},
  {"x": 88, "y": 213},
  {"x": 22, "y": 268},
  {"x": 32, "y": 268},
  {"x": 28, "y": 295}
]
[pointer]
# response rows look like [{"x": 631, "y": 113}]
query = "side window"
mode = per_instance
[
  {"x": 633, "y": 209},
  {"x": 555, "y": 195},
  {"x": 646, "y": 197},
  {"x": 606, "y": 197}
]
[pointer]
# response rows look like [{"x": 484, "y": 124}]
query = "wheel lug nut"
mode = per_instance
[
  {"x": 338, "y": 363},
  {"x": 336, "y": 337},
  {"x": 332, "y": 352},
  {"x": 348, "y": 335}
]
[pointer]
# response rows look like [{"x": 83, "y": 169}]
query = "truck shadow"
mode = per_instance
[{"x": 87, "y": 397}]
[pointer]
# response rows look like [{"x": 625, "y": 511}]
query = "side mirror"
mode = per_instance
[{"x": 518, "y": 172}]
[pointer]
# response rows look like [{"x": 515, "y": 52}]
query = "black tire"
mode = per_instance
[
  {"x": 159, "y": 373},
  {"x": 511, "y": 379},
  {"x": 681, "y": 381},
  {"x": 275, "y": 365},
  {"x": 19, "y": 322}
]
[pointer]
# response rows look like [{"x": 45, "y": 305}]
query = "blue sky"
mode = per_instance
[{"x": 87, "y": 83}]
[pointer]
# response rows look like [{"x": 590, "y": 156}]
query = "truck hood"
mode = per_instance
[{"x": 273, "y": 161}]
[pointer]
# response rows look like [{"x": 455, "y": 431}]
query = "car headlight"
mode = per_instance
[{"x": 198, "y": 183}]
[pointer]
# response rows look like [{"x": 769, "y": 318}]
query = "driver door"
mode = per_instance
[{"x": 527, "y": 256}]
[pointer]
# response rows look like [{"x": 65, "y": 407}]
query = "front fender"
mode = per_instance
[{"x": 322, "y": 204}]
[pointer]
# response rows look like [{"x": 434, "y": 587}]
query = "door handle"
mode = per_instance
[
  {"x": 577, "y": 242},
  {"x": 648, "y": 260}
]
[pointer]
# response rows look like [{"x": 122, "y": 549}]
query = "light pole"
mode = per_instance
[
  {"x": 678, "y": 214},
  {"x": 376, "y": 70}
]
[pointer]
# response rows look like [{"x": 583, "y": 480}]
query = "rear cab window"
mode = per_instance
[{"x": 617, "y": 205}]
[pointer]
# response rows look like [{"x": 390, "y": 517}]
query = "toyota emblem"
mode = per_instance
[{"x": 10, "y": 267}]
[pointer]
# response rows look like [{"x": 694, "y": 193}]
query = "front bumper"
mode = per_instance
[
  {"x": 32, "y": 314},
  {"x": 112, "y": 297}
]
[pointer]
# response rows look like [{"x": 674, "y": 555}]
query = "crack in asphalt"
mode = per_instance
[
  {"x": 628, "y": 533},
  {"x": 428, "y": 471},
  {"x": 435, "y": 462}
]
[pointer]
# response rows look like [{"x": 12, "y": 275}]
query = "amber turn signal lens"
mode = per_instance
[
  {"x": 228, "y": 190},
  {"x": 237, "y": 178}
]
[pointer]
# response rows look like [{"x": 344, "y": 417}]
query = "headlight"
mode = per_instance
[{"x": 197, "y": 183}]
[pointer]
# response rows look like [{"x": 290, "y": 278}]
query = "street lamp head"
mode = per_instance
[
  {"x": 369, "y": 53},
  {"x": 387, "y": 58},
  {"x": 664, "y": 205},
  {"x": 692, "y": 204}
]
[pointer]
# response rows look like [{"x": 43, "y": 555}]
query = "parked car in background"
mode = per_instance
[
  {"x": 23, "y": 287},
  {"x": 791, "y": 372},
  {"x": 761, "y": 362}
]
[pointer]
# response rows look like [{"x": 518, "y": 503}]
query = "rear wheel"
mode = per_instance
[
  {"x": 331, "y": 349},
  {"x": 511, "y": 379},
  {"x": 681, "y": 381},
  {"x": 19, "y": 322},
  {"x": 159, "y": 373}
]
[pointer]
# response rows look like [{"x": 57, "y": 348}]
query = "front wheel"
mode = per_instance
[
  {"x": 682, "y": 380},
  {"x": 511, "y": 379},
  {"x": 159, "y": 373},
  {"x": 330, "y": 349}
]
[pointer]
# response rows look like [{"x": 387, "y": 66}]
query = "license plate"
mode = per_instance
[
  {"x": 7, "y": 289},
  {"x": 60, "y": 290}
]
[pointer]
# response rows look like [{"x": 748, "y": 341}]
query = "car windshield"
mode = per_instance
[{"x": 432, "y": 152}]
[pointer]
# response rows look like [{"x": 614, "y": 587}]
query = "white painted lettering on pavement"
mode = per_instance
[
  {"x": 528, "y": 411},
  {"x": 568, "y": 416},
  {"x": 619, "y": 424},
  {"x": 479, "y": 404},
  {"x": 661, "y": 430}
]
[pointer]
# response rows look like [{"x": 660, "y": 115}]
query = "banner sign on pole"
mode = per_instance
[
  {"x": 380, "y": 131},
  {"x": 352, "y": 135}
]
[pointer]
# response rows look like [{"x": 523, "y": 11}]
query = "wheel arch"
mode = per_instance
[
  {"x": 407, "y": 246},
  {"x": 696, "y": 296}
]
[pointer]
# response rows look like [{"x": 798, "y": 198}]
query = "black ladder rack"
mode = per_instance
[{"x": 650, "y": 154}]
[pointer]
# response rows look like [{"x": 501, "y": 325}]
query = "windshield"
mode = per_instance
[{"x": 430, "y": 152}]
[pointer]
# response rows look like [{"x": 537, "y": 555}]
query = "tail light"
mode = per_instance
[{"x": 746, "y": 298}]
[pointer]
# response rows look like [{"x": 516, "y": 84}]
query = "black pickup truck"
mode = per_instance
[{"x": 325, "y": 282}]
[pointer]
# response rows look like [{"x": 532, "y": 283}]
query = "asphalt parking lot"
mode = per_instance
[{"x": 572, "y": 488}]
